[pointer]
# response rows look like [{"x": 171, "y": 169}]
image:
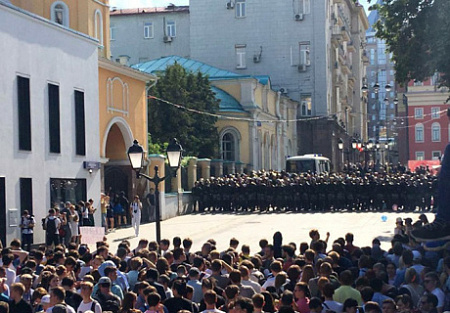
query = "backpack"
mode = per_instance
[
  {"x": 51, "y": 226},
  {"x": 94, "y": 302},
  {"x": 108, "y": 303}
]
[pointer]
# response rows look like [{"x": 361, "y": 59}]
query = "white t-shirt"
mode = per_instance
[
  {"x": 440, "y": 295},
  {"x": 83, "y": 307},
  {"x": 10, "y": 276},
  {"x": 68, "y": 308}
]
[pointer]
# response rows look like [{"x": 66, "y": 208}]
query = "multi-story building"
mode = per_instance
[
  {"x": 256, "y": 131},
  {"x": 115, "y": 112},
  {"x": 381, "y": 93},
  {"x": 140, "y": 35},
  {"x": 311, "y": 50},
  {"x": 427, "y": 119},
  {"x": 49, "y": 96}
]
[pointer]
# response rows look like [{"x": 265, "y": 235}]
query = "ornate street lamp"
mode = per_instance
[
  {"x": 376, "y": 87},
  {"x": 388, "y": 87},
  {"x": 354, "y": 144},
  {"x": 136, "y": 156},
  {"x": 340, "y": 144}
]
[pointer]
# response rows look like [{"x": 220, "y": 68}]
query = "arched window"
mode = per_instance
[
  {"x": 228, "y": 147},
  {"x": 59, "y": 13},
  {"x": 419, "y": 132},
  {"x": 230, "y": 144},
  {"x": 436, "y": 132},
  {"x": 98, "y": 26}
]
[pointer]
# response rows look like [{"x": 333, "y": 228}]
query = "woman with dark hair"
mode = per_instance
[
  {"x": 128, "y": 303},
  {"x": 350, "y": 306},
  {"x": 277, "y": 243},
  {"x": 302, "y": 295},
  {"x": 404, "y": 304},
  {"x": 268, "y": 302}
]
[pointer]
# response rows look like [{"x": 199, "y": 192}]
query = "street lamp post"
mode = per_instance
[{"x": 136, "y": 155}]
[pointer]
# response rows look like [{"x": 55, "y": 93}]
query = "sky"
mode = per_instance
[{"x": 122, "y": 4}]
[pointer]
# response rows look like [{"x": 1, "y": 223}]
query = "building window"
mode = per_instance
[
  {"x": 98, "y": 26},
  {"x": 419, "y": 132},
  {"x": 112, "y": 32},
  {"x": 171, "y": 29},
  {"x": 59, "y": 13},
  {"x": 80, "y": 128},
  {"x": 62, "y": 190},
  {"x": 306, "y": 105},
  {"x": 418, "y": 113},
  {"x": 372, "y": 95},
  {"x": 148, "y": 30},
  {"x": 372, "y": 56},
  {"x": 436, "y": 132},
  {"x": 228, "y": 147},
  {"x": 240, "y": 56},
  {"x": 436, "y": 155},
  {"x": 26, "y": 195},
  {"x": 435, "y": 113},
  {"x": 240, "y": 8},
  {"x": 420, "y": 155},
  {"x": 304, "y": 54},
  {"x": 24, "y": 113},
  {"x": 53, "y": 118}
]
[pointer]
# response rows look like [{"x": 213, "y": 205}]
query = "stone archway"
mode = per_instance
[{"x": 117, "y": 174}]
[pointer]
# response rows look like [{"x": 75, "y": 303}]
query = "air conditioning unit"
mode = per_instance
[
  {"x": 283, "y": 90},
  {"x": 301, "y": 67},
  {"x": 257, "y": 58},
  {"x": 167, "y": 39},
  {"x": 299, "y": 17},
  {"x": 230, "y": 5}
]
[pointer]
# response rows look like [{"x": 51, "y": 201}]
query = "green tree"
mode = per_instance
[
  {"x": 196, "y": 132},
  {"x": 417, "y": 33}
]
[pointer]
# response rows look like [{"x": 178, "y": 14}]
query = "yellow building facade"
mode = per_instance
[{"x": 122, "y": 90}]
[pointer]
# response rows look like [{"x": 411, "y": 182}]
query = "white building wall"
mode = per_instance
[{"x": 45, "y": 52}]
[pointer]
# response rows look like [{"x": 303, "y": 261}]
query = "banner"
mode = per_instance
[
  {"x": 433, "y": 165},
  {"x": 91, "y": 235}
]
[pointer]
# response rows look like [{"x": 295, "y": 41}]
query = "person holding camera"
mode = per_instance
[{"x": 27, "y": 225}]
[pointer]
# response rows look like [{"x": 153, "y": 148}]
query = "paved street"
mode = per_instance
[{"x": 250, "y": 227}]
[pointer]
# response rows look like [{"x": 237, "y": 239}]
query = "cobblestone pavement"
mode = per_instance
[{"x": 248, "y": 228}]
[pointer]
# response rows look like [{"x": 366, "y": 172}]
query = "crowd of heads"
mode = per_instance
[{"x": 312, "y": 275}]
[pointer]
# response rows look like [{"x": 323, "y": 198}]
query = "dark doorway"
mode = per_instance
[{"x": 116, "y": 179}]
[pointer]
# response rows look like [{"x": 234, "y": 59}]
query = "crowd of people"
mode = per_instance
[
  {"x": 314, "y": 275},
  {"x": 350, "y": 190}
]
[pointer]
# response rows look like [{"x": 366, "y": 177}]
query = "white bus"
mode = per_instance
[{"x": 314, "y": 163}]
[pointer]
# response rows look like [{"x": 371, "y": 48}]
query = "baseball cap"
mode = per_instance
[
  {"x": 104, "y": 280},
  {"x": 399, "y": 220},
  {"x": 416, "y": 255},
  {"x": 194, "y": 271},
  {"x": 45, "y": 299}
]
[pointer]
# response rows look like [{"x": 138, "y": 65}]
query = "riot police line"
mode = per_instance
[{"x": 355, "y": 191}]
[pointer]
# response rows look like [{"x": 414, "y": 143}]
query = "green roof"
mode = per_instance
[{"x": 227, "y": 102}]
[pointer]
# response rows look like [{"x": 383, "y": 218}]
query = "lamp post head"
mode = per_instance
[
  {"x": 377, "y": 144},
  {"x": 340, "y": 144},
  {"x": 136, "y": 156},
  {"x": 354, "y": 144},
  {"x": 174, "y": 153},
  {"x": 369, "y": 144},
  {"x": 376, "y": 87},
  {"x": 388, "y": 87}
]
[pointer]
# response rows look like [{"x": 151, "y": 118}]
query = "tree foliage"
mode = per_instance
[
  {"x": 197, "y": 133},
  {"x": 417, "y": 33}
]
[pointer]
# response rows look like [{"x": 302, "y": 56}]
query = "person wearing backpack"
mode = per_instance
[
  {"x": 88, "y": 303},
  {"x": 108, "y": 301},
  {"x": 52, "y": 225}
]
